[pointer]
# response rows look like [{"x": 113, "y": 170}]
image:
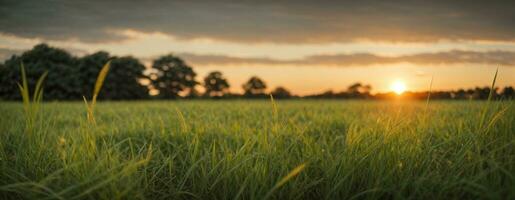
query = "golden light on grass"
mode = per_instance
[{"x": 398, "y": 87}]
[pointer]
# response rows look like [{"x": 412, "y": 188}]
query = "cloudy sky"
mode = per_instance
[{"x": 306, "y": 46}]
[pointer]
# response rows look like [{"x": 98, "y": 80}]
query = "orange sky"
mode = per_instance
[{"x": 309, "y": 80}]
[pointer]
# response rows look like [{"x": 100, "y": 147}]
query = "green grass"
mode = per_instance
[{"x": 295, "y": 149}]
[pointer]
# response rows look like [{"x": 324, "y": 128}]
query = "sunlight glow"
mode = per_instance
[{"x": 398, "y": 87}]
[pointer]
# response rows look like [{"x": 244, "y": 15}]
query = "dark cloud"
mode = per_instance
[
  {"x": 504, "y": 58},
  {"x": 257, "y": 21}
]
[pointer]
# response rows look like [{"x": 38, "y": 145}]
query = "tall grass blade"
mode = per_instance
[
  {"x": 429, "y": 92},
  {"x": 100, "y": 81},
  {"x": 290, "y": 175},
  {"x": 293, "y": 173},
  {"x": 24, "y": 88},
  {"x": 98, "y": 85},
  {"x": 184, "y": 125},
  {"x": 39, "y": 91},
  {"x": 88, "y": 109},
  {"x": 274, "y": 107},
  {"x": 275, "y": 115},
  {"x": 487, "y": 106},
  {"x": 492, "y": 88}
]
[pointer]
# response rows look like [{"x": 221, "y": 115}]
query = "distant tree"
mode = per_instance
[
  {"x": 327, "y": 94},
  {"x": 460, "y": 94},
  {"x": 254, "y": 87},
  {"x": 89, "y": 67},
  {"x": 470, "y": 93},
  {"x": 438, "y": 95},
  {"x": 215, "y": 84},
  {"x": 172, "y": 76},
  {"x": 483, "y": 93},
  {"x": 61, "y": 83},
  {"x": 354, "y": 88},
  {"x": 359, "y": 90},
  {"x": 281, "y": 93},
  {"x": 508, "y": 92},
  {"x": 366, "y": 89},
  {"x": 122, "y": 81}
]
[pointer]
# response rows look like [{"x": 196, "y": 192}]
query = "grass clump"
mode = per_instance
[{"x": 30, "y": 107}]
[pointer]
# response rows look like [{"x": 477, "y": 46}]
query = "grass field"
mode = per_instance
[{"x": 297, "y": 149}]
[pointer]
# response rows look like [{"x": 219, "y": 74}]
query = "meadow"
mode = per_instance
[{"x": 259, "y": 149}]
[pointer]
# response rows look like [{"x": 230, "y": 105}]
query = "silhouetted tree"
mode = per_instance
[
  {"x": 354, "y": 88},
  {"x": 89, "y": 67},
  {"x": 366, "y": 89},
  {"x": 281, "y": 93},
  {"x": 482, "y": 93},
  {"x": 171, "y": 76},
  {"x": 61, "y": 83},
  {"x": 508, "y": 92},
  {"x": 215, "y": 84},
  {"x": 460, "y": 94},
  {"x": 122, "y": 81},
  {"x": 470, "y": 93},
  {"x": 255, "y": 87},
  {"x": 326, "y": 94},
  {"x": 358, "y": 90},
  {"x": 438, "y": 95}
]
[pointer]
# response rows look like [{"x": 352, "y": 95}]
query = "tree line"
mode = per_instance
[
  {"x": 477, "y": 93},
  {"x": 169, "y": 77},
  {"x": 69, "y": 77}
]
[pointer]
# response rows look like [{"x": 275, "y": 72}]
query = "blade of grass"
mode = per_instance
[
  {"x": 24, "y": 88},
  {"x": 293, "y": 173},
  {"x": 38, "y": 91},
  {"x": 429, "y": 92},
  {"x": 492, "y": 88},
  {"x": 184, "y": 125},
  {"x": 98, "y": 85},
  {"x": 100, "y": 81},
  {"x": 487, "y": 106},
  {"x": 274, "y": 107},
  {"x": 88, "y": 110}
]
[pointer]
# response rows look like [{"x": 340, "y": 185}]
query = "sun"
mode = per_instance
[{"x": 398, "y": 87}]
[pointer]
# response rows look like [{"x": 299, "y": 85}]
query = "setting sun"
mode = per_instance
[{"x": 398, "y": 87}]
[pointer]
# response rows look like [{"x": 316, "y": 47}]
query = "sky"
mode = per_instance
[{"x": 305, "y": 46}]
